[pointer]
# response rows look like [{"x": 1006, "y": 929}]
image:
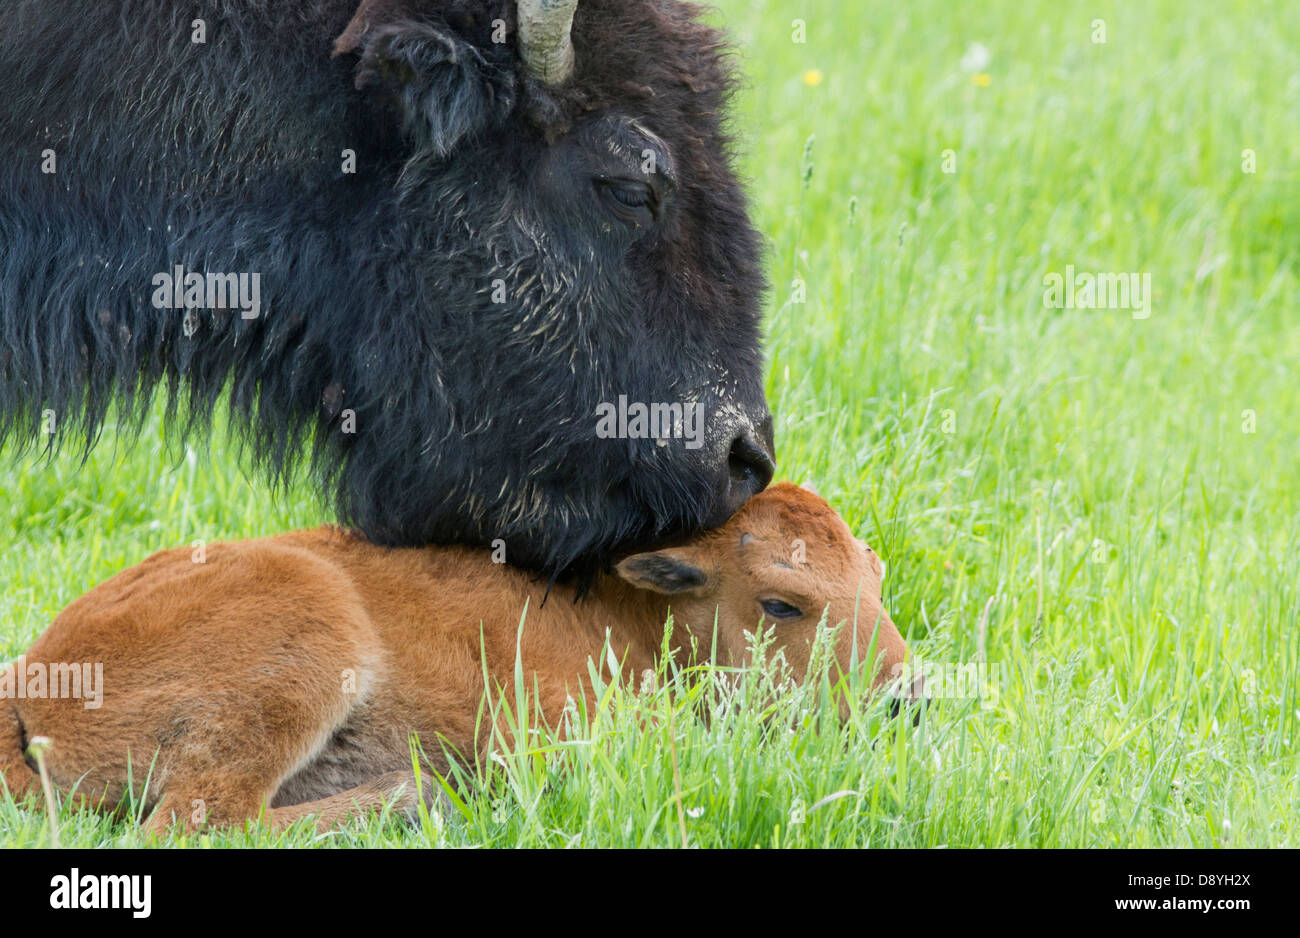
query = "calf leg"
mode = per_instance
[
  {"x": 398, "y": 789},
  {"x": 18, "y": 776}
]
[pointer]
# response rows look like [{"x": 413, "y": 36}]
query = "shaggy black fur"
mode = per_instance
[{"x": 434, "y": 411}]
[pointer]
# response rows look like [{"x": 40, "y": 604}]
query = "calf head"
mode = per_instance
[{"x": 781, "y": 562}]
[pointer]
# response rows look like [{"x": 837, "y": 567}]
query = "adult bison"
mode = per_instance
[{"x": 430, "y": 245}]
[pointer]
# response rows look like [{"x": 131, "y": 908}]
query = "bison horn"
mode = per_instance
[{"x": 544, "y": 38}]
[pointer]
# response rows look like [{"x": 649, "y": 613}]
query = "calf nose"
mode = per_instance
[{"x": 911, "y": 700}]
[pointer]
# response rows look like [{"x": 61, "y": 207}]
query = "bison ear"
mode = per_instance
[
  {"x": 446, "y": 88},
  {"x": 674, "y": 570}
]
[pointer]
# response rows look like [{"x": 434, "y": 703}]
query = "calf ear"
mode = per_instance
[
  {"x": 873, "y": 559},
  {"x": 674, "y": 570},
  {"x": 447, "y": 90}
]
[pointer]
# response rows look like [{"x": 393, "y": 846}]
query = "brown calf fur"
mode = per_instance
[{"x": 287, "y": 674}]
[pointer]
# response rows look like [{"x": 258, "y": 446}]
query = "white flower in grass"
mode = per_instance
[
  {"x": 977, "y": 58},
  {"x": 694, "y": 812}
]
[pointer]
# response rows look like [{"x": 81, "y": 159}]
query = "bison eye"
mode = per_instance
[
  {"x": 780, "y": 610},
  {"x": 630, "y": 199}
]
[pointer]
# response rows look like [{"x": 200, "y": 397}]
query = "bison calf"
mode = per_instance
[{"x": 289, "y": 672}]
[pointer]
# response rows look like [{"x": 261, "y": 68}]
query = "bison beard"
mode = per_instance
[{"x": 439, "y": 321}]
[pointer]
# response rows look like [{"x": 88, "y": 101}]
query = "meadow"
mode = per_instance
[{"x": 1098, "y": 504}]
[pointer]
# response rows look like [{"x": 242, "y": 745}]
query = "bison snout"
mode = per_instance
[{"x": 749, "y": 470}]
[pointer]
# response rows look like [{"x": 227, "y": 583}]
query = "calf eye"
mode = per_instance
[{"x": 780, "y": 610}]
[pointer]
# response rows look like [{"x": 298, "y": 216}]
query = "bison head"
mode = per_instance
[
  {"x": 579, "y": 362},
  {"x": 501, "y": 281}
]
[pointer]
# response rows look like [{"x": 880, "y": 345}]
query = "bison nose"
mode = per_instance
[
  {"x": 749, "y": 469},
  {"x": 749, "y": 466}
]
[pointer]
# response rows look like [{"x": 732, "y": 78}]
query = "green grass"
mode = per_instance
[{"x": 1076, "y": 485}]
